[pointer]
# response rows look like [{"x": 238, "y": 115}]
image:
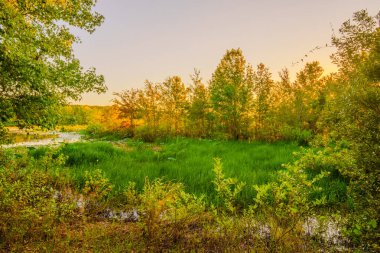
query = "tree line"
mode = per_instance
[{"x": 238, "y": 102}]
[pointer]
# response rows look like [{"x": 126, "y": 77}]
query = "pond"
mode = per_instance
[{"x": 43, "y": 139}]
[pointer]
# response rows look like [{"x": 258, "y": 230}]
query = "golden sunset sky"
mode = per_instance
[{"x": 151, "y": 39}]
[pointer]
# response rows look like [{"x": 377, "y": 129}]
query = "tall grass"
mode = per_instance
[
  {"x": 40, "y": 210},
  {"x": 181, "y": 160}
]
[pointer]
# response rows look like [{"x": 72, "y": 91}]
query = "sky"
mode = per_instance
[{"x": 152, "y": 40}]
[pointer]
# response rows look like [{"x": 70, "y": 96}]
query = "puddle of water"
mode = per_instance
[
  {"x": 22, "y": 137},
  {"x": 55, "y": 138}
]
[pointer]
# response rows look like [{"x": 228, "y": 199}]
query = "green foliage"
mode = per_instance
[
  {"x": 3, "y": 134},
  {"x": 168, "y": 213},
  {"x": 132, "y": 197},
  {"x": 356, "y": 39},
  {"x": 30, "y": 207},
  {"x": 129, "y": 105},
  {"x": 309, "y": 97},
  {"x": 227, "y": 188},
  {"x": 354, "y": 118},
  {"x": 283, "y": 206},
  {"x": 173, "y": 151},
  {"x": 38, "y": 70},
  {"x": 95, "y": 130},
  {"x": 239, "y": 103},
  {"x": 73, "y": 115},
  {"x": 263, "y": 84},
  {"x": 174, "y": 99},
  {"x": 302, "y": 137},
  {"x": 151, "y": 105},
  {"x": 100, "y": 132},
  {"x": 199, "y": 111},
  {"x": 96, "y": 190},
  {"x": 230, "y": 92},
  {"x": 148, "y": 134},
  {"x": 333, "y": 159},
  {"x": 96, "y": 185}
]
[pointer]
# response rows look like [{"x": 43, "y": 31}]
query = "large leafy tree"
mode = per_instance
[
  {"x": 354, "y": 117},
  {"x": 38, "y": 70},
  {"x": 231, "y": 93}
]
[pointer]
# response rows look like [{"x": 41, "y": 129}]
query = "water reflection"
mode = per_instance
[{"x": 41, "y": 139}]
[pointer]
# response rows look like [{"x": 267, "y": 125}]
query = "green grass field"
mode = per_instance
[{"x": 181, "y": 160}]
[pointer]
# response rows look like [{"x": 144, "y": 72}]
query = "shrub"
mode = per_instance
[
  {"x": 168, "y": 213},
  {"x": 227, "y": 188},
  {"x": 283, "y": 206},
  {"x": 96, "y": 190},
  {"x": 149, "y": 134},
  {"x": 3, "y": 134},
  {"x": 94, "y": 130},
  {"x": 302, "y": 137},
  {"x": 29, "y": 205}
]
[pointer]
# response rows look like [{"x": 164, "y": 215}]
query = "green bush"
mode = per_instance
[
  {"x": 227, "y": 188},
  {"x": 3, "y": 134},
  {"x": 302, "y": 137},
  {"x": 285, "y": 205},
  {"x": 149, "y": 134},
  {"x": 30, "y": 202},
  {"x": 168, "y": 214},
  {"x": 95, "y": 191},
  {"x": 94, "y": 130}
]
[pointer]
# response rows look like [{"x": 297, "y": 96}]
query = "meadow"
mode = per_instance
[
  {"x": 171, "y": 166},
  {"x": 188, "y": 161}
]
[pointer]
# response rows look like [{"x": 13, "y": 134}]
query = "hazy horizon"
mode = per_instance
[{"x": 147, "y": 40}]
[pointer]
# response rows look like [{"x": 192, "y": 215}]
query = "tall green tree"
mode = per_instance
[
  {"x": 199, "y": 110},
  {"x": 175, "y": 103},
  {"x": 151, "y": 106},
  {"x": 262, "y": 87},
  {"x": 354, "y": 118},
  {"x": 38, "y": 70},
  {"x": 308, "y": 95},
  {"x": 231, "y": 94},
  {"x": 355, "y": 41},
  {"x": 282, "y": 99}
]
